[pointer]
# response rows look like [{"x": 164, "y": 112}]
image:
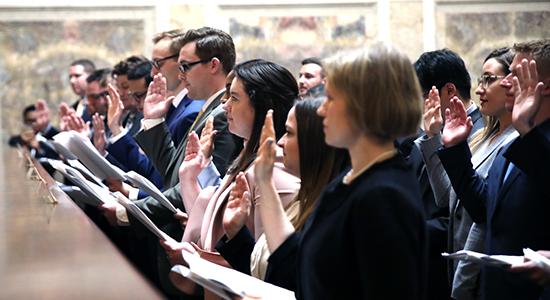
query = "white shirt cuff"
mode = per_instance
[
  {"x": 121, "y": 216},
  {"x": 150, "y": 123},
  {"x": 114, "y": 138},
  {"x": 133, "y": 193}
]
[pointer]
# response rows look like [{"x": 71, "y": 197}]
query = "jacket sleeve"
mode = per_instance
[{"x": 470, "y": 188}]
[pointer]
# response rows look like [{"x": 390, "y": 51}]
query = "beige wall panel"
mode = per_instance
[
  {"x": 406, "y": 27},
  {"x": 186, "y": 16}
]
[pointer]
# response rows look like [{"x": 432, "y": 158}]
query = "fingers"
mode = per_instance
[
  {"x": 267, "y": 129},
  {"x": 448, "y": 117},
  {"x": 193, "y": 146}
]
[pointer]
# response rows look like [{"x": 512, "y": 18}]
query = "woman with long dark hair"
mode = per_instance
[
  {"x": 258, "y": 86},
  {"x": 305, "y": 153}
]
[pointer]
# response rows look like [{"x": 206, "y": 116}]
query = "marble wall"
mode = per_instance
[
  {"x": 37, "y": 44},
  {"x": 35, "y": 54}
]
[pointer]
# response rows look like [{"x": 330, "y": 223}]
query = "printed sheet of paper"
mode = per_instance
[
  {"x": 226, "y": 282},
  {"x": 481, "y": 258},
  {"x": 147, "y": 186},
  {"x": 83, "y": 149},
  {"x": 142, "y": 217}
]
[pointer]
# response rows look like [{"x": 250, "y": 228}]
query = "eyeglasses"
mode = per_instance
[
  {"x": 184, "y": 67},
  {"x": 97, "y": 96},
  {"x": 156, "y": 63},
  {"x": 137, "y": 96},
  {"x": 485, "y": 80}
]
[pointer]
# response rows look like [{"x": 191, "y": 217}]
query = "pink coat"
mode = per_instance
[{"x": 205, "y": 224}]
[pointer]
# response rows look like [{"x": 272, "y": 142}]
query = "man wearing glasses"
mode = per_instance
[
  {"x": 96, "y": 92},
  {"x": 206, "y": 57},
  {"x": 183, "y": 111}
]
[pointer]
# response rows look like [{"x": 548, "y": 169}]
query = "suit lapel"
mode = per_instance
[
  {"x": 497, "y": 173},
  {"x": 180, "y": 151}
]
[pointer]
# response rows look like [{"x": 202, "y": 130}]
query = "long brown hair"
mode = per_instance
[{"x": 319, "y": 162}]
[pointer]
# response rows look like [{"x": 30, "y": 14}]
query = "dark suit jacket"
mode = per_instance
[
  {"x": 157, "y": 144},
  {"x": 85, "y": 116},
  {"x": 438, "y": 219},
  {"x": 365, "y": 240},
  {"x": 516, "y": 211},
  {"x": 167, "y": 159},
  {"x": 136, "y": 123},
  {"x": 47, "y": 150},
  {"x": 180, "y": 118},
  {"x": 126, "y": 151}
]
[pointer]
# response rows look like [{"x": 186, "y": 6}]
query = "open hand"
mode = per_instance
[
  {"x": 114, "y": 114},
  {"x": 432, "y": 113},
  {"x": 263, "y": 168},
  {"x": 156, "y": 104},
  {"x": 457, "y": 124},
  {"x": 238, "y": 207},
  {"x": 100, "y": 138},
  {"x": 77, "y": 124},
  {"x": 42, "y": 115},
  {"x": 528, "y": 93}
]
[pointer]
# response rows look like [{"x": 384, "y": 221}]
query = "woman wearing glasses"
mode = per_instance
[{"x": 485, "y": 144}]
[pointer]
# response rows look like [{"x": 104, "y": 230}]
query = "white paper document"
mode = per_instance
[
  {"x": 98, "y": 194},
  {"x": 147, "y": 186},
  {"x": 226, "y": 282},
  {"x": 538, "y": 259},
  {"x": 142, "y": 217},
  {"x": 481, "y": 258},
  {"x": 82, "y": 148}
]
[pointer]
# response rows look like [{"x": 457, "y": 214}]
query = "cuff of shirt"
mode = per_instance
[
  {"x": 147, "y": 124},
  {"x": 209, "y": 176},
  {"x": 121, "y": 216},
  {"x": 133, "y": 193},
  {"x": 114, "y": 138},
  {"x": 428, "y": 146}
]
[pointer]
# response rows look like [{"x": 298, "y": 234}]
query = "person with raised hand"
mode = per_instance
[
  {"x": 305, "y": 154},
  {"x": 514, "y": 200},
  {"x": 368, "y": 222},
  {"x": 258, "y": 86}
]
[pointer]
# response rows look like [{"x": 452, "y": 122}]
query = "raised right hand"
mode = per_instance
[
  {"x": 432, "y": 114},
  {"x": 156, "y": 104},
  {"x": 457, "y": 124},
  {"x": 100, "y": 138},
  {"x": 263, "y": 168},
  {"x": 238, "y": 207},
  {"x": 114, "y": 115}
]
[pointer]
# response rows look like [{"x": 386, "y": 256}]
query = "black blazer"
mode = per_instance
[{"x": 516, "y": 211}]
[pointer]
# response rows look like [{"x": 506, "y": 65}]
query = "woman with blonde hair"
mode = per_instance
[{"x": 366, "y": 237}]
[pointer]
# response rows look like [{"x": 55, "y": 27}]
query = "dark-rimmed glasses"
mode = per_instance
[
  {"x": 156, "y": 63},
  {"x": 137, "y": 96},
  {"x": 484, "y": 80},
  {"x": 184, "y": 67},
  {"x": 97, "y": 96}
]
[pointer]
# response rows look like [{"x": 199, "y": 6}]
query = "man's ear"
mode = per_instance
[
  {"x": 215, "y": 65},
  {"x": 546, "y": 88},
  {"x": 324, "y": 80},
  {"x": 450, "y": 90}
]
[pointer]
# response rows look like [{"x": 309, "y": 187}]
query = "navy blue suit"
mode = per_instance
[
  {"x": 516, "y": 210},
  {"x": 179, "y": 119}
]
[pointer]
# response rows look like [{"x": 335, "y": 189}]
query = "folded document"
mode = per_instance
[
  {"x": 228, "y": 283},
  {"x": 481, "y": 258}
]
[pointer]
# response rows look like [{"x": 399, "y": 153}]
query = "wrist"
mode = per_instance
[{"x": 116, "y": 130}]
